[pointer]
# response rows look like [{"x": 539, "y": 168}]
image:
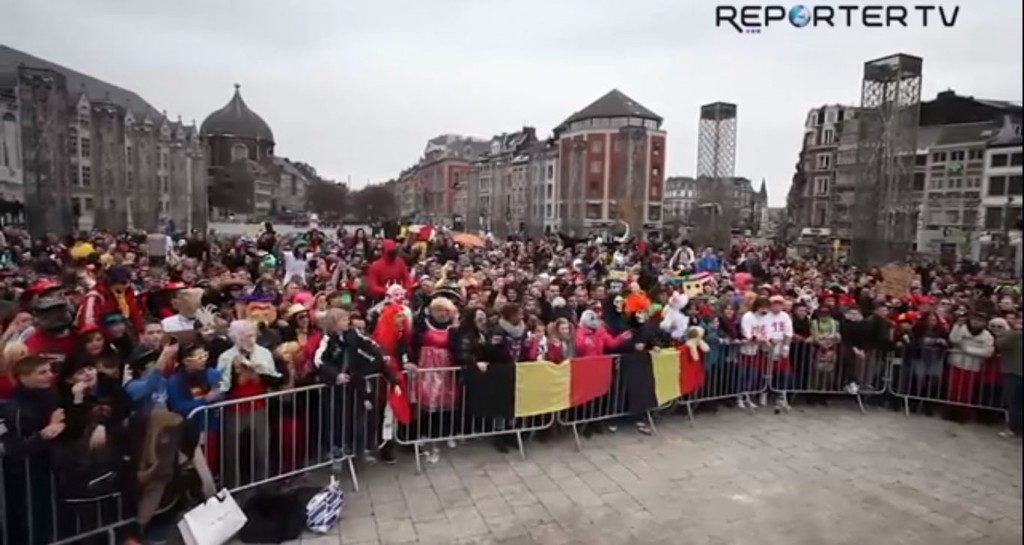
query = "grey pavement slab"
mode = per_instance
[{"x": 818, "y": 476}]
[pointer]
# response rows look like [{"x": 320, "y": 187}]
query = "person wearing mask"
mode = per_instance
[
  {"x": 246, "y": 370},
  {"x": 386, "y": 270},
  {"x": 187, "y": 303}
]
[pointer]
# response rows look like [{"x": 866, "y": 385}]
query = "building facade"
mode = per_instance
[
  {"x": 680, "y": 199},
  {"x": 288, "y": 196},
  {"x": 716, "y": 140},
  {"x": 499, "y": 183},
  {"x": 1001, "y": 200},
  {"x": 611, "y": 166},
  {"x": 79, "y": 153},
  {"x": 949, "y": 195},
  {"x": 814, "y": 195},
  {"x": 437, "y": 188},
  {"x": 542, "y": 189}
]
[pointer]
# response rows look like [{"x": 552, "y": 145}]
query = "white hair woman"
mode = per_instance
[
  {"x": 247, "y": 373},
  {"x": 437, "y": 388}
]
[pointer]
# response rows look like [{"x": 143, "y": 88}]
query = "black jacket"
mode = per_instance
[{"x": 351, "y": 353}]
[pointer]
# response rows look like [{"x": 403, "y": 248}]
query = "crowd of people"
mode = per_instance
[{"x": 110, "y": 353}]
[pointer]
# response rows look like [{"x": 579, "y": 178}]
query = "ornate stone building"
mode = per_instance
[
  {"x": 242, "y": 173},
  {"x": 80, "y": 153}
]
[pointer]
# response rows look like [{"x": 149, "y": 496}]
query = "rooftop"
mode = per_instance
[
  {"x": 613, "y": 104},
  {"x": 95, "y": 89}
]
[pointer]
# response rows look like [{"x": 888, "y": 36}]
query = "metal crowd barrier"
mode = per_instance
[
  {"x": 926, "y": 377},
  {"x": 729, "y": 375},
  {"x": 441, "y": 415},
  {"x": 264, "y": 439},
  {"x": 815, "y": 370},
  {"x": 592, "y": 416},
  {"x": 32, "y": 511}
]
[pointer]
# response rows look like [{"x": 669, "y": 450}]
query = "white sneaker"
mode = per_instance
[
  {"x": 612, "y": 428},
  {"x": 1007, "y": 434},
  {"x": 763, "y": 399},
  {"x": 741, "y": 403},
  {"x": 750, "y": 402},
  {"x": 452, "y": 444},
  {"x": 852, "y": 388}
]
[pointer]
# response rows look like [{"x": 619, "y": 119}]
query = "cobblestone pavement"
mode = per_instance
[{"x": 818, "y": 476}]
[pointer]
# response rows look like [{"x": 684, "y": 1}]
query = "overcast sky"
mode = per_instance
[{"x": 356, "y": 88}]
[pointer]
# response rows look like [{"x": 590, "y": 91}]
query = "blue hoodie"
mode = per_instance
[
  {"x": 183, "y": 401},
  {"x": 147, "y": 391}
]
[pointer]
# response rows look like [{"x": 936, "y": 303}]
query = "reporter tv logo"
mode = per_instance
[{"x": 755, "y": 19}]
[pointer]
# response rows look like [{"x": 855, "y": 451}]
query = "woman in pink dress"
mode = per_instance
[{"x": 436, "y": 383}]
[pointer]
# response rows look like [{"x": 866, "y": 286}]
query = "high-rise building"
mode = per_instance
[{"x": 716, "y": 140}]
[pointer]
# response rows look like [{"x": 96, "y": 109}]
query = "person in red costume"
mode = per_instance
[
  {"x": 114, "y": 293},
  {"x": 385, "y": 270},
  {"x": 394, "y": 333}
]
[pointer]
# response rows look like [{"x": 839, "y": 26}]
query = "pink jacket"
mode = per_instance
[{"x": 597, "y": 342}]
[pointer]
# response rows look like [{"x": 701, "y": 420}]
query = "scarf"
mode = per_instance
[{"x": 121, "y": 297}]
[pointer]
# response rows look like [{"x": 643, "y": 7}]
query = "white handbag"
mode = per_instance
[{"x": 213, "y": 522}]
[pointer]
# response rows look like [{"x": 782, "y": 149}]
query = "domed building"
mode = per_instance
[{"x": 240, "y": 148}]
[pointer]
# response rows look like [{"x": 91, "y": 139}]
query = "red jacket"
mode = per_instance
[{"x": 100, "y": 301}]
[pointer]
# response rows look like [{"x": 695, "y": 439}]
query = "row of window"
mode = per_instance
[{"x": 1015, "y": 159}]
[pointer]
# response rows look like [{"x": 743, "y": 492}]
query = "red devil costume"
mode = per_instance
[{"x": 393, "y": 333}]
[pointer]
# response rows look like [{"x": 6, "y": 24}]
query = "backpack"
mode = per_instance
[{"x": 160, "y": 442}]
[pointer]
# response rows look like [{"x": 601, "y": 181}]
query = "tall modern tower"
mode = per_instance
[{"x": 716, "y": 140}]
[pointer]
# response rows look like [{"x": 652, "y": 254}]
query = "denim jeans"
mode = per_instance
[{"x": 1014, "y": 397}]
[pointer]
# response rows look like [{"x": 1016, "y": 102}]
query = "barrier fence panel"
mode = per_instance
[
  {"x": 442, "y": 414},
  {"x": 598, "y": 415},
  {"x": 728, "y": 374},
  {"x": 828, "y": 367},
  {"x": 34, "y": 510},
  {"x": 928, "y": 377}
]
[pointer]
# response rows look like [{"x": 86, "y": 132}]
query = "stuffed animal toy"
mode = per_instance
[
  {"x": 691, "y": 360},
  {"x": 675, "y": 321}
]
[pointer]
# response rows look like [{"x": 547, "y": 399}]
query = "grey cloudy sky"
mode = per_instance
[{"x": 356, "y": 88}]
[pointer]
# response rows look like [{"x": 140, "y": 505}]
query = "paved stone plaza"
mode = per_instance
[{"x": 813, "y": 477}]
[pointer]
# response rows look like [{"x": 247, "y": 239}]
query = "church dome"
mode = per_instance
[{"x": 236, "y": 119}]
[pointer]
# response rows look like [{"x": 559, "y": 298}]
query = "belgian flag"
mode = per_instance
[{"x": 542, "y": 387}]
